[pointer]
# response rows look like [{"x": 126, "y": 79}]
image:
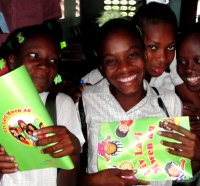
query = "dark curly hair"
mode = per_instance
[{"x": 155, "y": 13}]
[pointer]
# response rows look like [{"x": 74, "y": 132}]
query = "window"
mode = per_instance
[
  {"x": 62, "y": 6},
  {"x": 198, "y": 12},
  {"x": 77, "y": 8},
  {"x": 126, "y": 7}
]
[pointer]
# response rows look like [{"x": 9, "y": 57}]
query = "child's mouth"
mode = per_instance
[
  {"x": 195, "y": 80},
  {"x": 158, "y": 70}
]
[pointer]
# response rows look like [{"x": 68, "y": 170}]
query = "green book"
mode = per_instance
[
  {"x": 21, "y": 112},
  {"x": 135, "y": 144}
]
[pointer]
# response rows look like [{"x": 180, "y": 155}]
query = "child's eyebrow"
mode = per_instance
[
  {"x": 135, "y": 46},
  {"x": 158, "y": 42},
  {"x": 107, "y": 54}
]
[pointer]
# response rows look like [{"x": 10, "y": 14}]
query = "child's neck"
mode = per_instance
[
  {"x": 129, "y": 101},
  {"x": 148, "y": 77}
]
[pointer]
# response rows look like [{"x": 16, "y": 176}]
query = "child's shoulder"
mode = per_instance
[
  {"x": 169, "y": 97},
  {"x": 62, "y": 97},
  {"x": 99, "y": 88},
  {"x": 164, "y": 92}
]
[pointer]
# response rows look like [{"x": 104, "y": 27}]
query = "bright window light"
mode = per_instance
[
  {"x": 62, "y": 6},
  {"x": 77, "y": 10},
  {"x": 126, "y": 7},
  {"x": 198, "y": 12}
]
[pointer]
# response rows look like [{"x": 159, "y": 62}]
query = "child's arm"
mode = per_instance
[
  {"x": 7, "y": 164},
  {"x": 187, "y": 145},
  {"x": 77, "y": 94},
  {"x": 69, "y": 177},
  {"x": 193, "y": 112},
  {"x": 110, "y": 177},
  {"x": 186, "y": 95},
  {"x": 66, "y": 144}
]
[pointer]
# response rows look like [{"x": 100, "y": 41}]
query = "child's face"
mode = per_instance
[
  {"x": 173, "y": 171},
  {"x": 188, "y": 60},
  {"x": 110, "y": 148},
  {"x": 160, "y": 45},
  {"x": 14, "y": 132},
  {"x": 22, "y": 125},
  {"x": 40, "y": 57},
  {"x": 123, "y": 128},
  {"x": 123, "y": 62}
]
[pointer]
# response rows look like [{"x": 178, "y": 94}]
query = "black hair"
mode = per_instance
[
  {"x": 155, "y": 13},
  {"x": 30, "y": 125},
  {"x": 169, "y": 165},
  {"x": 121, "y": 134},
  {"x": 114, "y": 25},
  {"x": 193, "y": 28},
  {"x": 17, "y": 39},
  {"x": 19, "y": 136}
]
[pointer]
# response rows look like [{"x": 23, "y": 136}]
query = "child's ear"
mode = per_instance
[{"x": 11, "y": 61}]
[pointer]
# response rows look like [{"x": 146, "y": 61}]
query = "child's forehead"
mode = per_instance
[
  {"x": 192, "y": 38},
  {"x": 120, "y": 34},
  {"x": 38, "y": 38},
  {"x": 158, "y": 25},
  {"x": 40, "y": 42}
]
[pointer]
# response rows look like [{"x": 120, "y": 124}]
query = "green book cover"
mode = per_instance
[
  {"x": 21, "y": 112},
  {"x": 135, "y": 144}
]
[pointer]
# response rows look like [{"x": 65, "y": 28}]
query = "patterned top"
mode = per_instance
[{"x": 101, "y": 106}]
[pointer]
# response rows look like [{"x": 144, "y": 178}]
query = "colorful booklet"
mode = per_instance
[
  {"x": 22, "y": 112},
  {"x": 135, "y": 144}
]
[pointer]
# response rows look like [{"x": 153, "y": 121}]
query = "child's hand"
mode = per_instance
[
  {"x": 116, "y": 177},
  {"x": 7, "y": 164},
  {"x": 187, "y": 145},
  {"x": 193, "y": 112},
  {"x": 63, "y": 139},
  {"x": 78, "y": 93}
]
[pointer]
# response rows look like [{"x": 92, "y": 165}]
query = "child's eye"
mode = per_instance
[
  {"x": 171, "y": 48},
  {"x": 197, "y": 61},
  {"x": 55, "y": 61},
  {"x": 33, "y": 55},
  {"x": 181, "y": 62},
  {"x": 109, "y": 61},
  {"x": 132, "y": 55},
  {"x": 152, "y": 47}
]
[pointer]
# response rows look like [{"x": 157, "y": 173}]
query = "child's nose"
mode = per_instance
[
  {"x": 123, "y": 65},
  {"x": 190, "y": 66},
  {"x": 162, "y": 58},
  {"x": 44, "y": 63}
]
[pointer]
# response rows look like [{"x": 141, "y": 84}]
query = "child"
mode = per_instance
[
  {"x": 188, "y": 52},
  {"x": 36, "y": 48},
  {"x": 122, "y": 95},
  {"x": 188, "y": 67},
  {"x": 158, "y": 25}
]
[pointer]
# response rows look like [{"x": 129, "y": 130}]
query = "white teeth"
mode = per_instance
[
  {"x": 193, "y": 79},
  {"x": 125, "y": 80}
]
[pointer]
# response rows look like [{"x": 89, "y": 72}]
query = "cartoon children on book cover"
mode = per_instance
[
  {"x": 134, "y": 144},
  {"x": 21, "y": 113}
]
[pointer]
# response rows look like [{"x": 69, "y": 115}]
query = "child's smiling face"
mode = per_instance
[
  {"x": 40, "y": 56},
  {"x": 122, "y": 64},
  {"x": 110, "y": 148},
  {"x": 188, "y": 60},
  {"x": 159, "y": 40},
  {"x": 174, "y": 171}
]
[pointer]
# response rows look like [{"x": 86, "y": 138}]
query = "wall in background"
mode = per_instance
[{"x": 188, "y": 12}]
